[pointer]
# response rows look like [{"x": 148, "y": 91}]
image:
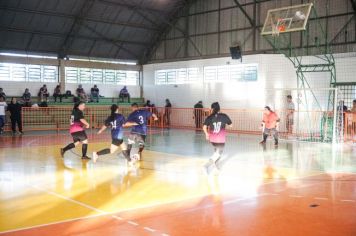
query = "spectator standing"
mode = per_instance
[
  {"x": 198, "y": 114},
  {"x": 94, "y": 94},
  {"x": 2, "y": 94},
  {"x": 3, "y": 107},
  {"x": 290, "y": 114},
  {"x": 15, "y": 115},
  {"x": 167, "y": 113}
]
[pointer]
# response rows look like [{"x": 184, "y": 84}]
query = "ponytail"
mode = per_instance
[
  {"x": 216, "y": 108},
  {"x": 76, "y": 105},
  {"x": 113, "y": 109}
]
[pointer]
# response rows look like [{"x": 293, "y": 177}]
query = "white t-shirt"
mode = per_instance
[
  {"x": 290, "y": 106},
  {"x": 3, "y": 106}
]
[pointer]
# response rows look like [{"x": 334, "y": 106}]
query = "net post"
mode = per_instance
[{"x": 335, "y": 116}]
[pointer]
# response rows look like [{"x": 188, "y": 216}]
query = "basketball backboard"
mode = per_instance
[{"x": 286, "y": 19}]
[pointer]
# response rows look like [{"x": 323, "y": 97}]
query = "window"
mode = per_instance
[
  {"x": 28, "y": 73},
  {"x": 177, "y": 76},
  {"x": 243, "y": 72},
  {"x": 101, "y": 76}
]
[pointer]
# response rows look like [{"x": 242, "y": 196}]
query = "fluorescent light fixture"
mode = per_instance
[{"x": 26, "y": 55}]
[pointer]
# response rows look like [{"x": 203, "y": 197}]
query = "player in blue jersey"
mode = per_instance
[
  {"x": 138, "y": 120},
  {"x": 115, "y": 121}
]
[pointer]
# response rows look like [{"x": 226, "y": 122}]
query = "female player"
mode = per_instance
[
  {"x": 77, "y": 131},
  {"x": 138, "y": 121},
  {"x": 214, "y": 129},
  {"x": 115, "y": 121}
]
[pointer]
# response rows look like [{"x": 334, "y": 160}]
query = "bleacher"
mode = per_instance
[{"x": 103, "y": 101}]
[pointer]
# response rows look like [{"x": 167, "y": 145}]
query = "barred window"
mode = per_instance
[
  {"x": 28, "y": 73},
  {"x": 101, "y": 76}
]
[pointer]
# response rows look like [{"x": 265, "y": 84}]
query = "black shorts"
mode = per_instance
[
  {"x": 79, "y": 136},
  {"x": 218, "y": 145},
  {"x": 117, "y": 142}
]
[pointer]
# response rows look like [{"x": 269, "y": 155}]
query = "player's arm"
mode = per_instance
[
  {"x": 102, "y": 129},
  {"x": 85, "y": 123},
  {"x": 154, "y": 116},
  {"x": 129, "y": 124},
  {"x": 205, "y": 129}
]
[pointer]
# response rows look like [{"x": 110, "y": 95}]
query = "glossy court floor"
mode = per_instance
[{"x": 295, "y": 189}]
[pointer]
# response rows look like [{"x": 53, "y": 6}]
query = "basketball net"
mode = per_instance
[{"x": 275, "y": 29}]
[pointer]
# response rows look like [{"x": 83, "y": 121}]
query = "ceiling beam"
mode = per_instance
[
  {"x": 68, "y": 16},
  {"x": 74, "y": 29},
  {"x": 59, "y": 35},
  {"x": 250, "y": 20},
  {"x": 132, "y": 6},
  {"x": 112, "y": 41}
]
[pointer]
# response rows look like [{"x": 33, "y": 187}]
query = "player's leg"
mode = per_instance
[
  {"x": 125, "y": 152},
  {"x": 84, "y": 147},
  {"x": 141, "y": 145},
  {"x": 69, "y": 146},
  {"x": 130, "y": 142},
  {"x": 275, "y": 136},
  {"x": 265, "y": 134}
]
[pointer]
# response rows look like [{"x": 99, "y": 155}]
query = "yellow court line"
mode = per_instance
[{"x": 104, "y": 213}]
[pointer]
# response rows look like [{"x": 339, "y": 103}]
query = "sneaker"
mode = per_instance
[
  {"x": 276, "y": 144},
  {"x": 86, "y": 158},
  {"x": 20, "y": 132},
  {"x": 263, "y": 142},
  {"x": 95, "y": 157},
  {"x": 13, "y": 133},
  {"x": 62, "y": 152}
]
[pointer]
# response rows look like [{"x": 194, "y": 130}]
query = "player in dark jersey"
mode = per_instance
[
  {"x": 138, "y": 120},
  {"x": 214, "y": 129},
  {"x": 77, "y": 125},
  {"x": 115, "y": 121}
]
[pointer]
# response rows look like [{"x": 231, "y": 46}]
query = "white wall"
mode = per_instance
[
  {"x": 274, "y": 71},
  {"x": 18, "y": 88}
]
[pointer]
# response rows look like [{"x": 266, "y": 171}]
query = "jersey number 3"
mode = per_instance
[
  {"x": 217, "y": 127},
  {"x": 141, "y": 120}
]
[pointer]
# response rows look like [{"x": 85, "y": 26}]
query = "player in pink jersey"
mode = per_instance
[
  {"x": 214, "y": 129},
  {"x": 77, "y": 125}
]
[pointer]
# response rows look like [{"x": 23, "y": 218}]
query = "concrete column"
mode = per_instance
[{"x": 62, "y": 74}]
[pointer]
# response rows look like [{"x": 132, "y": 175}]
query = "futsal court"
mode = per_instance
[{"x": 300, "y": 188}]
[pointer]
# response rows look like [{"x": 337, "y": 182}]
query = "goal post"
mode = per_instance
[{"x": 313, "y": 118}]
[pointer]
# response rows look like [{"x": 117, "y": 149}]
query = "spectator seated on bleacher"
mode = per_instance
[
  {"x": 26, "y": 98},
  {"x": 57, "y": 93},
  {"x": 94, "y": 94},
  {"x": 81, "y": 94},
  {"x": 124, "y": 93},
  {"x": 2, "y": 94},
  {"x": 43, "y": 94}
]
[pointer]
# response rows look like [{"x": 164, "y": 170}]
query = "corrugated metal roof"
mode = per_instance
[{"x": 122, "y": 29}]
